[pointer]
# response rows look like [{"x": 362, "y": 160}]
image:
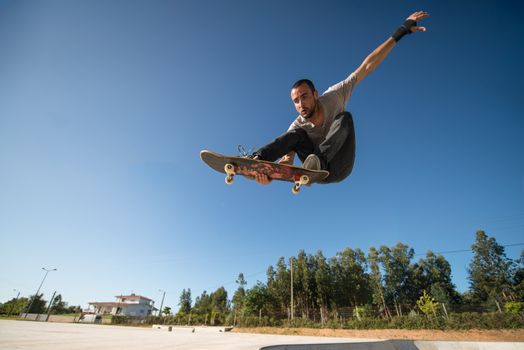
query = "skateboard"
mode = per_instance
[{"x": 231, "y": 166}]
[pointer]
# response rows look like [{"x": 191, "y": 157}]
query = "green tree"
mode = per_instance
[
  {"x": 203, "y": 308},
  {"x": 376, "y": 281},
  {"x": 490, "y": 272},
  {"x": 352, "y": 285},
  {"x": 518, "y": 279},
  {"x": 59, "y": 306},
  {"x": 277, "y": 304},
  {"x": 433, "y": 274},
  {"x": 258, "y": 300},
  {"x": 427, "y": 304},
  {"x": 323, "y": 285},
  {"x": 240, "y": 293},
  {"x": 74, "y": 309},
  {"x": 279, "y": 285},
  {"x": 14, "y": 306},
  {"x": 219, "y": 300},
  {"x": 37, "y": 304},
  {"x": 212, "y": 308},
  {"x": 304, "y": 283},
  {"x": 166, "y": 311},
  {"x": 398, "y": 271},
  {"x": 185, "y": 301}
]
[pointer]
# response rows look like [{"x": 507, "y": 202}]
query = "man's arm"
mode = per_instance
[{"x": 380, "y": 53}]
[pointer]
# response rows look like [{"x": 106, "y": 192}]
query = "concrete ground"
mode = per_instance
[{"x": 60, "y": 336}]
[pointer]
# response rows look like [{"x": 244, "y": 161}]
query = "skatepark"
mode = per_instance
[{"x": 61, "y": 336}]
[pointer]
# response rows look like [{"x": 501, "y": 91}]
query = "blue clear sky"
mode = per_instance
[{"x": 105, "y": 105}]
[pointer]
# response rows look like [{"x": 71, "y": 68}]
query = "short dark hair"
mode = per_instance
[{"x": 304, "y": 81}]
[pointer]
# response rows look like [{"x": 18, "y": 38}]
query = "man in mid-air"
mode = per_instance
[{"x": 323, "y": 135}]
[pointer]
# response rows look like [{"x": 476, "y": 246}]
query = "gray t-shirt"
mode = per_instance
[{"x": 333, "y": 102}]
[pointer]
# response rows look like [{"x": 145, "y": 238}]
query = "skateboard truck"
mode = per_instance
[
  {"x": 230, "y": 172},
  {"x": 299, "y": 181}
]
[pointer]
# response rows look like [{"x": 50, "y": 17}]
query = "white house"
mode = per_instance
[{"x": 126, "y": 305}]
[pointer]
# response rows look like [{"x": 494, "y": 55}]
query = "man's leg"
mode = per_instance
[
  {"x": 296, "y": 140},
  {"x": 338, "y": 150}
]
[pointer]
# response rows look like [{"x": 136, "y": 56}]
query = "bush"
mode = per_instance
[
  {"x": 366, "y": 323},
  {"x": 300, "y": 322},
  {"x": 456, "y": 321},
  {"x": 514, "y": 307},
  {"x": 120, "y": 320},
  {"x": 492, "y": 320},
  {"x": 365, "y": 311},
  {"x": 254, "y": 321}
]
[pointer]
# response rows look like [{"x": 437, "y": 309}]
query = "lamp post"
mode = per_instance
[
  {"x": 38, "y": 290},
  {"x": 162, "y": 303},
  {"x": 14, "y": 302}
]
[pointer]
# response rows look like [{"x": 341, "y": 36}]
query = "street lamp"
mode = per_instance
[
  {"x": 38, "y": 290},
  {"x": 14, "y": 302},
  {"x": 162, "y": 303}
]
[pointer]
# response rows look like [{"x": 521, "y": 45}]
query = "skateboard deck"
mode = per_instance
[{"x": 231, "y": 166}]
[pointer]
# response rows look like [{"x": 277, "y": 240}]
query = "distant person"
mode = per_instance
[{"x": 323, "y": 135}]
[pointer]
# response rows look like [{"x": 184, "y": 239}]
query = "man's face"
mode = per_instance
[{"x": 305, "y": 100}]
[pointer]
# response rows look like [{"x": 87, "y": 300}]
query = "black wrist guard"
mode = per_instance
[{"x": 404, "y": 29}]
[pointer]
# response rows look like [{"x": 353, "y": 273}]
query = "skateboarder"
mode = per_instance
[{"x": 323, "y": 135}]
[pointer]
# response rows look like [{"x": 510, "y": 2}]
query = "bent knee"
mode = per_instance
[{"x": 345, "y": 118}]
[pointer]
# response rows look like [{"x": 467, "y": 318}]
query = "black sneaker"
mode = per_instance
[{"x": 254, "y": 155}]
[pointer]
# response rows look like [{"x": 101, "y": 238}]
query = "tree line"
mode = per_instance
[
  {"x": 383, "y": 283},
  {"x": 38, "y": 305}
]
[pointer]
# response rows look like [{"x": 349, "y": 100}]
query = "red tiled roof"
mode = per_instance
[{"x": 133, "y": 296}]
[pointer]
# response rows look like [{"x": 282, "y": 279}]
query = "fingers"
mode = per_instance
[
  {"x": 417, "y": 16},
  {"x": 262, "y": 179}
]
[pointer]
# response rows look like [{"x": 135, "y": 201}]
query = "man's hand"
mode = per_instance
[
  {"x": 262, "y": 179},
  {"x": 417, "y": 16},
  {"x": 287, "y": 159}
]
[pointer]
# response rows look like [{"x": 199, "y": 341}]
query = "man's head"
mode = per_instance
[{"x": 304, "y": 97}]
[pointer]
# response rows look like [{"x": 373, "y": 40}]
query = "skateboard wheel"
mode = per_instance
[
  {"x": 304, "y": 180},
  {"x": 229, "y": 179},
  {"x": 296, "y": 189},
  {"x": 229, "y": 169}
]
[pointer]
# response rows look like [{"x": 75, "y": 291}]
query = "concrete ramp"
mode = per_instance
[
  {"x": 381, "y": 345},
  {"x": 403, "y": 345}
]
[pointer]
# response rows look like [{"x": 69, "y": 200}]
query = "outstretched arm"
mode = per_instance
[{"x": 377, "y": 56}]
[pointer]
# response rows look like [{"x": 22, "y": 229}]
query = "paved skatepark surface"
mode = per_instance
[{"x": 61, "y": 336}]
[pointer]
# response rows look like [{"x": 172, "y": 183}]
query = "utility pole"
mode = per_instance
[
  {"x": 162, "y": 303},
  {"x": 292, "y": 307},
  {"x": 48, "y": 311},
  {"x": 38, "y": 290}
]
